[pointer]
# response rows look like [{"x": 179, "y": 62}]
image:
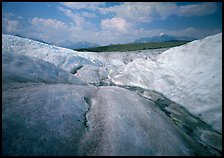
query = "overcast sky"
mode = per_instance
[{"x": 110, "y": 22}]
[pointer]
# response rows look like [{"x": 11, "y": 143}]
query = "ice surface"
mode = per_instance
[
  {"x": 48, "y": 108},
  {"x": 61, "y": 119},
  {"x": 44, "y": 119},
  {"x": 66, "y": 59},
  {"x": 189, "y": 75},
  {"x": 92, "y": 74},
  {"x": 21, "y": 68},
  {"x": 122, "y": 123}
]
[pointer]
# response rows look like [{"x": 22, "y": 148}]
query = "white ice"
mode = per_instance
[
  {"x": 49, "y": 111},
  {"x": 189, "y": 75}
]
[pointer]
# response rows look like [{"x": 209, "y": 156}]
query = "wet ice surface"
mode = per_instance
[
  {"x": 119, "y": 123},
  {"x": 193, "y": 126},
  {"x": 112, "y": 61},
  {"x": 127, "y": 57},
  {"x": 62, "y": 102},
  {"x": 189, "y": 75},
  {"x": 43, "y": 119},
  {"x": 62, "y": 119}
]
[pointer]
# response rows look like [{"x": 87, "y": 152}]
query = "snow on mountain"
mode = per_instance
[
  {"x": 78, "y": 45},
  {"x": 163, "y": 38},
  {"x": 186, "y": 38},
  {"x": 189, "y": 75},
  {"x": 160, "y": 38}
]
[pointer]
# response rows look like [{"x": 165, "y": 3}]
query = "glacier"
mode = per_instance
[
  {"x": 58, "y": 101},
  {"x": 190, "y": 75}
]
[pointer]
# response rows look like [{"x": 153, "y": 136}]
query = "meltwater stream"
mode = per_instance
[{"x": 193, "y": 126}]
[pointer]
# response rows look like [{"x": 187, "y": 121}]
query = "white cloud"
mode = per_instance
[
  {"x": 86, "y": 5},
  {"x": 78, "y": 19},
  {"x": 20, "y": 17},
  {"x": 48, "y": 23},
  {"x": 194, "y": 32},
  {"x": 10, "y": 26},
  {"x": 88, "y": 15},
  {"x": 55, "y": 31},
  {"x": 190, "y": 32},
  {"x": 165, "y": 10},
  {"x": 149, "y": 11},
  {"x": 197, "y": 9},
  {"x": 11, "y": 16},
  {"x": 120, "y": 27},
  {"x": 134, "y": 11},
  {"x": 8, "y": 15},
  {"x": 117, "y": 24},
  {"x": 50, "y": 29},
  {"x": 11, "y": 23}
]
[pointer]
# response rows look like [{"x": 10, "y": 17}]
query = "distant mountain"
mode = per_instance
[
  {"x": 163, "y": 38},
  {"x": 65, "y": 44},
  {"x": 186, "y": 38},
  {"x": 78, "y": 45}
]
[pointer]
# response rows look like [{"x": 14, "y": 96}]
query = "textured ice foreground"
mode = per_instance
[
  {"x": 49, "y": 111},
  {"x": 190, "y": 75},
  {"x": 66, "y": 59},
  {"x": 52, "y": 119},
  {"x": 21, "y": 68}
]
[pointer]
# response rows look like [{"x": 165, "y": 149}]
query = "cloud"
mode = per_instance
[
  {"x": 12, "y": 23},
  {"x": 85, "y": 5},
  {"x": 50, "y": 29},
  {"x": 8, "y": 14},
  {"x": 194, "y": 32},
  {"x": 88, "y": 15},
  {"x": 165, "y": 10},
  {"x": 48, "y": 23},
  {"x": 149, "y": 11},
  {"x": 76, "y": 18},
  {"x": 197, "y": 9},
  {"x": 20, "y": 17},
  {"x": 134, "y": 11},
  {"x": 190, "y": 32},
  {"x": 117, "y": 24},
  {"x": 79, "y": 18},
  {"x": 11, "y": 16},
  {"x": 10, "y": 26},
  {"x": 55, "y": 31}
]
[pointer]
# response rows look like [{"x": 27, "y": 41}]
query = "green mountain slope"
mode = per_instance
[{"x": 133, "y": 46}]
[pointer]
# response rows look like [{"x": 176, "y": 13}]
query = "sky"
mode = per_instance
[{"x": 106, "y": 23}]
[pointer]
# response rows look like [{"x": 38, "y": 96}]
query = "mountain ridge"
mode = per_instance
[{"x": 164, "y": 38}]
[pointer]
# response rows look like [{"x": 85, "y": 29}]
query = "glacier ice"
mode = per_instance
[
  {"x": 51, "y": 106},
  {"x": 189, "y": 75}
]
